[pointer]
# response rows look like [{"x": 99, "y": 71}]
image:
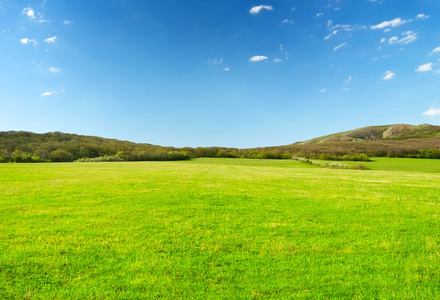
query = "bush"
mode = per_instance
[
  {"x": 61, "y": 155},
  {"x": 360, "y": 167}
]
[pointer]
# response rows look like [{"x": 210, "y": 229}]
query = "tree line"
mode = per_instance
[{"x": 20, "y": 146}]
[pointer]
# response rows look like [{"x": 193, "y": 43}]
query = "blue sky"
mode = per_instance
[{"x": 217, "y": 73}]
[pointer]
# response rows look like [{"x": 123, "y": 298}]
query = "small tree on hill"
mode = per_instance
[{"x": 61, "y": 155}]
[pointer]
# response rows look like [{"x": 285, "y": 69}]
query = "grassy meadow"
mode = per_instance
[{"x": 220, "y": 229}]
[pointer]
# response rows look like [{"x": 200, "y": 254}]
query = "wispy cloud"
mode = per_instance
[
  {"x": 408, "y": 37},
  {"x": 392, "y": 23},
  {"x": 50, "y": 93},
  {"x": 422, "y": 16},
  {"x": 54, "y": 70},
  {"x": 334, "y": 29},
  {"x": 26, "y": 41},
  {"x": 277, "y": 60},
  {"x": 322, "y": 91},
  {"x": 67, "y": 22},
  {"x": 257, "y": 58},
  {"x": 287, "y": 21},
  {"x": 50, "y": 40},
  {"x": 432, "y": 112},
  {"x": 257, "y": 9},
  {"x": 389, "y": 75},
  {"x": 436, "y": 50},
  {"x": 319, "y": 14},
  {"x": 226, "y": 69},
  {"x": 286, "y": 54},
  {"x": 424, "y": 68},
  {"x": 327, "y": 37},
  {"x": 28, "y": 11},
  {"x": 348, "y": 80},
  {"x": 339, "y": 46}
]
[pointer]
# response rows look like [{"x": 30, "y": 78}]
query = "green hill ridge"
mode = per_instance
[
  {"x": 401, "y": 140},
  {"x": 384, "y": 132}
]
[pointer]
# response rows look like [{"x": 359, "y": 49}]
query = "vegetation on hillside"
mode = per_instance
[
  {"x": 20, "y": 146},
  {"x": 385, "y": 132}
]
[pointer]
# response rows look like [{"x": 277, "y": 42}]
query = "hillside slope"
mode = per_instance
[{"x": 385, "y": 132}]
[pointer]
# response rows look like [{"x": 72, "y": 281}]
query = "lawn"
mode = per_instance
[{"x": 220, "y": 229}]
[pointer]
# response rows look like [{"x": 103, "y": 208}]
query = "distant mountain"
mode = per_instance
[{"x": 386, "y": 132}]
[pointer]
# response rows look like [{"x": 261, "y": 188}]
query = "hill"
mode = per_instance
[
  {"x": 402, "y": 140},
  {"x": 386, "y": 132},
  {"x": 23, "y": 146}
]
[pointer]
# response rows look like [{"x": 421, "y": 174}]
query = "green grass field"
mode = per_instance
[{"x": 220, "y": 229}]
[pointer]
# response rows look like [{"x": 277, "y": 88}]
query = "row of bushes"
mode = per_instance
[
  {"x": 332, "y": 165},
  {"x": 346, "y": 157},
  {"x": 62, "y": 155}
]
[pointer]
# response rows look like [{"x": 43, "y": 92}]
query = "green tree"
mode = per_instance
[{"x": 61, "y": 155}]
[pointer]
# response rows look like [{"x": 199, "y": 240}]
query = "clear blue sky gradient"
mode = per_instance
[{"x": 217, "y": 73}]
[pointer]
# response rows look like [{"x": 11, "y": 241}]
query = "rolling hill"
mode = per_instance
[
  {"x": 385, "y": 132},
  {"x": 401, "y": 140}
]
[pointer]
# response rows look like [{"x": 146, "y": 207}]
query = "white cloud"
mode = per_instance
[
  {"x": 339, "y": 46},
  {"x": 408, "y": 37},
  {"x": 319, "y": 14},
  {"x": 383, "y": 40},
  {"x": 50, "y": 93},
  {"x": 334, "y": 29},
  {"x": 218, "y": 61},
  {"x": 432, "y": 112},
  {"x": 436, "y": 50},
  {"x": 348, "y": 80},
  {"x": 393, "y": 40},
  {"x": 226, "y": 69},
  {"x": 26, "y": 41},
  {"x": 50, "y": 40},
  {"x": 389, "y": 75},
  {"x": 54, "y": 70},
  {"x": 257, "y": 9},
  {"x": 286, "y": 21},
  {"x": 258, "y": 58},
  {"x": 330, "y": 35},
  {"x": 424, "y": 68},
  {"x": 346, "y": 27},
  {"x": 67, "y": 22},
  {"x": 422, "y": 16},
  {"x": 322, "y": 91},
  {"x": 277, "y": 60},
  {"x": 286, "y": 54},
  {"x": 392, "y": 23},
  {"x": 29, "y": 12}
]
